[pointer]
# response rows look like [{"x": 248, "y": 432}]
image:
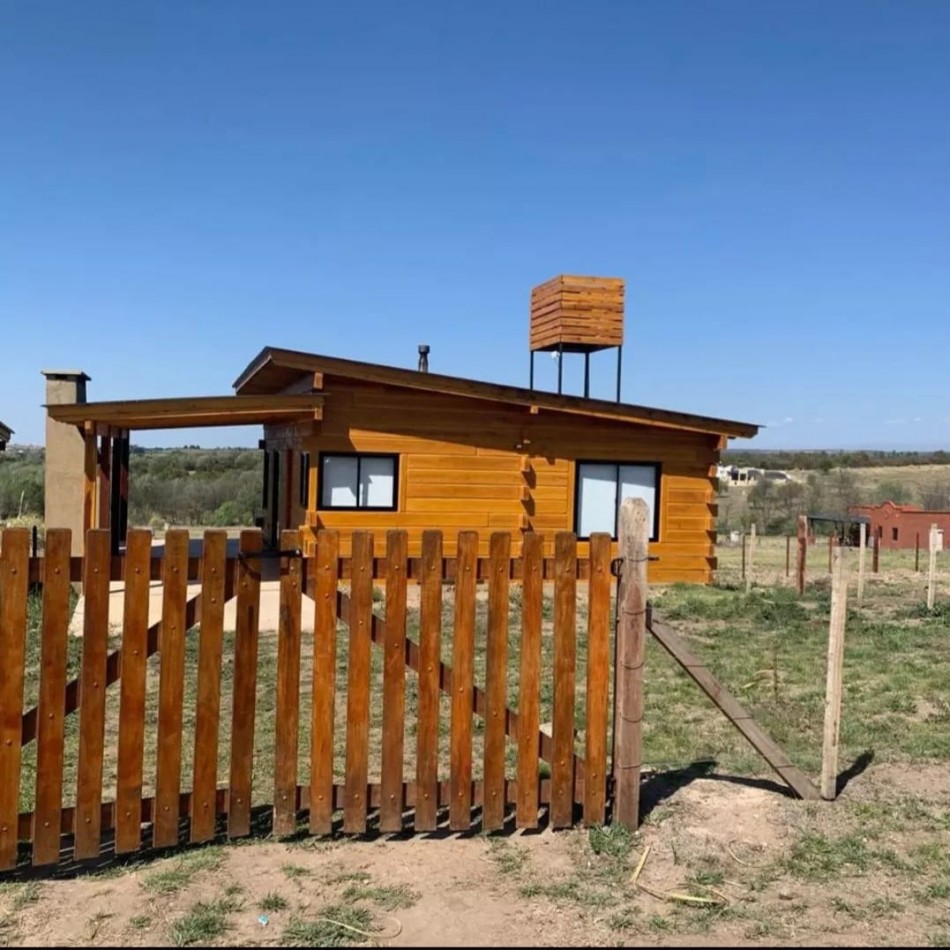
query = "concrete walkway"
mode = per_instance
[{"x": 269, "y": 609}]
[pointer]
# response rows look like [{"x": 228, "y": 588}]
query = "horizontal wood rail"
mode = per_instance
[
  {"x": 380, "y": 568},
  {"x": 302, "y": 803}
]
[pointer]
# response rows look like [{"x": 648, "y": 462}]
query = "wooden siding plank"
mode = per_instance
[
  {"x": 171, "y": 689},
  {"x": 565, "y": 662},
  {"x": 287, "y": 718},
  {"x": 496, "y": 683},
  {"x": 324, "y": 682},
  {"x": 358, "y": 685},
  {"x": 52, "y": 700},
  {"x": 245, "y": 683},
  {"x": 132, "y": 692},
  {"x": 92, "y": 711},
  {"x": 430, "y": 646},
  {"x": 598, "y": 679},
  {"x": 394, "y": 683},
  {"x": 529, "y": 696},
  {"x": 463, "y": 675},
  {"x": 14, "y": 571}
]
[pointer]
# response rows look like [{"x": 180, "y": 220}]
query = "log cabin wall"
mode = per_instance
[{"x": 467, "y": 463}]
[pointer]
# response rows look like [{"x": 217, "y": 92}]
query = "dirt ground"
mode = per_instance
[{"x": 743, "y": 843}]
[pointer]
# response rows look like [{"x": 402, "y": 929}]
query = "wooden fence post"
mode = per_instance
[
  {"x": 932, "y": 569},
  {"x": 839, "y": 610},
  {"x": 862, "y": 547},
  {"x": 802, "y": 551},
  {"x": 631, "y": 634},
  {"x": 876, "y": 554},
  {"x": 917, "y": 553},
  {"x": 748, "y": 577},
  {"x": 831, "y": 549},
  {"x": 743, "y": 555}
]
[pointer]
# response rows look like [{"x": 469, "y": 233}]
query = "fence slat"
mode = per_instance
[
  {"x": 50, "y": 745},
  {"x": 171, "y": 689},
  {"x": 430, "y": 647},
  {"x": 565, "y": 662},
  {"x": 394, "y": 683},
  {"x": 128, "y": 822},
  {"x": 598, "y": 678},
  {"x": 529, "y": 699},
  {"x": 92, "y": 691},
  {"x": 14, "y": 571},
  {"x": 496, "y": 683},
  {"x": 245, "y": 684},
  {"x": 324, "y": 683},
  {"x": 208, "y": 706},
  {"x": 287, "y": 718},
  {"x": 463, "y": 682},
  {"x": 358, "y": 684}
]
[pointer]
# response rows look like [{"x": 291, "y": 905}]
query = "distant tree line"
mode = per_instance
[
  {"x": 825, "y": 461},
  {"x": 179, "y": 486}
]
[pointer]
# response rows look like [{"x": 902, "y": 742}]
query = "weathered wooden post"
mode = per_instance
[
  {"x": 743, "y": 555},
  {"x": 862, "y": 547},
  {"x": 917, "y": 553},
  {"x": 628, "y": 685},
  {"x": 839, "y": 612},
  {"x": 932, "y": 569},
  {"x": 831, "y": 549},
  {"x": 749, "y": 568},
  {"x": 876, "y": 554},
  {"x": 802, "y": 551}
]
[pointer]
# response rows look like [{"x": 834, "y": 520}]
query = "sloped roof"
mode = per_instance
[
  {"x": 5, "y": 433},
  {"x": 273, "y": 369}
]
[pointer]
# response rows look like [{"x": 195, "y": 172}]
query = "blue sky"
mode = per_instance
[{"x": 182, "y": 184}]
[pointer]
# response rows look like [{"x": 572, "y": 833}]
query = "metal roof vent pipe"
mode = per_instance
[{"x": 423, "y": 357}]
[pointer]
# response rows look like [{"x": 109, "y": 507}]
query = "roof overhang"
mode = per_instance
[
  {"x": 191, "y": 411},
  {"x": 5, "y": 433},
  {"x": 273, "y": 370}
]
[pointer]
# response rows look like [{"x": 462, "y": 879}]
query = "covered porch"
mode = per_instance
[{"x": 106, "y": 429}]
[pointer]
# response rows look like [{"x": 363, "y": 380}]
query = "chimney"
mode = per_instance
[
  {"x": 423, "y": 357},
  {"x": 65, "y": 456}
]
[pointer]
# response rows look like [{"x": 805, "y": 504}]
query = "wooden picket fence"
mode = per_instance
[{"x": 524, "y": 771}]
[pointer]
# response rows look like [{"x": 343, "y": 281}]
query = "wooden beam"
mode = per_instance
[
  {"x": 104, "y": 507},
  {"x": 89, "y": 482},
  {"x": 189, "y": 411},
  {"x": 676, "y": 646}
]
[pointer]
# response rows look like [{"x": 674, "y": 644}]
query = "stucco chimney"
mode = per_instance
[{"x": 65, "y": 454}]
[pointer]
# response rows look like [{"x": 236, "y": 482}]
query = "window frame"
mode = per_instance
[
  {"x": 392, "y": 456},
  {"x": 658, "y": 475}
]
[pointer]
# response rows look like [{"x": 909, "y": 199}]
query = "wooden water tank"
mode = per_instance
[{"x": 577, "y": 314}]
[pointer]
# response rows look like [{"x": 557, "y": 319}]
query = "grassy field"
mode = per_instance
[{"x": 758, "y": 867}]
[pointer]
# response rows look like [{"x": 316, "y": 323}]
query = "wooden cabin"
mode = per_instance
[
  {"x": 351, "y": 445},
  {"x": 398, "y": 448}
]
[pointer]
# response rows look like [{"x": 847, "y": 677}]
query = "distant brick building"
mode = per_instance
[{"x": 898, "y": 526}]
